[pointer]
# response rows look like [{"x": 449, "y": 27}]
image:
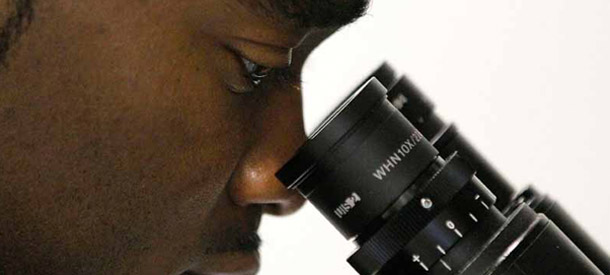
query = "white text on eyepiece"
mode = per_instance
[
  {"x": 347, "y": 205},
  {"x": 399, "y": 154}
]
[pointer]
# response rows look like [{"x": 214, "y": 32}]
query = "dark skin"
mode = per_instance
[{"x": 132, "y": 143}]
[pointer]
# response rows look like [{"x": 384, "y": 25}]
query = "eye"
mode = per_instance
[{"x": 255, "y": 71}]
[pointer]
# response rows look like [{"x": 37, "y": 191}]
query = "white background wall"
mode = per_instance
[{"x": 527, "y": 81}]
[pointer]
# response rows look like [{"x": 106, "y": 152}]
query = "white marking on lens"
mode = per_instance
[
  {"x": 426, "y": 203},
  {"x": 439, "y": 248},
  {"x": 445, "y": 264},
  {"x": 416, "y": 258},
  {"x": 450, "y": 225},
  {"x": 473, "y": 217},
  {"x": 457, "y": 232}
]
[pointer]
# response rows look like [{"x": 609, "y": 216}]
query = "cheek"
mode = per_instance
[
  {"x": 171, "y": 125},
  {"x": 129, "y": 142}
]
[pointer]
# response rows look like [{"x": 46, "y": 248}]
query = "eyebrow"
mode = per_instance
[
  {"x": 260, "y": 8},
  {"x": 309, "y": 13}
]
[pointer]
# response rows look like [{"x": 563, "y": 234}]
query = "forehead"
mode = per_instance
[
  {"x": 246, "y": 20},
  {"x": 264, "y": 9}
]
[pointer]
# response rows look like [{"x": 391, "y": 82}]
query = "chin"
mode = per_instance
[{"x": 228, "y": 263}]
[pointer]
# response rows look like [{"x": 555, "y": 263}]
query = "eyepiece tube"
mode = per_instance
[
  {"x": 553, "y": 210},
  {"x": 381, "y": 183},
  {"x": 419, "y": 110},
  {"x": 359, "y": 161}
]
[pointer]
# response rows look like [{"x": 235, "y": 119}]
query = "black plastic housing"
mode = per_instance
[
  {"x": 362, "y": 158},
  {"x": 555, "y": 212},
  {"x": 410, "y": 210}
]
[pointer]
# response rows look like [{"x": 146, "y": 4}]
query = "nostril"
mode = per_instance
[
  {"x": 254, "y": 182},
  {"x": 237, "y": 197},
  {"x": 294, "y": 203},
  {"x": 240, "y": 195}
]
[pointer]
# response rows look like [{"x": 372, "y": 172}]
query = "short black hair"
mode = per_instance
[
  {"x": 322, "y": 13},
  {"x": 313, "y": 13},
  {"x": 14, "y": 26},
  {"x": 306, "y": 13}
]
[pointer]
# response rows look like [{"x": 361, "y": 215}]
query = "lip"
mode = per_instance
[
  {"x": 229, "y": 244},
  {"x": 233, "y": 248},
  {"x": 230, "y": 263},
  {"x": 234, "y": 243}
]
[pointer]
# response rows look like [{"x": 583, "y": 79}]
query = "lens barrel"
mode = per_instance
[
  {"x": 359, "y": 161},
  {"x": 416, "y": 107},
  {"x": 419, "y": 109},
  {"x": 412, "y": 209},
  {"x": 554, "y": 211},
  {"x": 447, "y": 139}
]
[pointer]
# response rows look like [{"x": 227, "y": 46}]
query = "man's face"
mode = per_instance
[{"x": 132, "y": 140}]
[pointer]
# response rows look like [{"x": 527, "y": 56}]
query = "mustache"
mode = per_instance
[{"x": 232, "y": 242}]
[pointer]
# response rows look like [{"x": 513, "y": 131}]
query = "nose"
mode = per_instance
[{"x": 278, "y": 132}]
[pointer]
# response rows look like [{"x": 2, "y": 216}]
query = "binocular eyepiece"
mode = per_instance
[{"x": 417, "y": 198}]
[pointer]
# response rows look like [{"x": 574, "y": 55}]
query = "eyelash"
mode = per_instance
[{"x": 255, "y": 71}]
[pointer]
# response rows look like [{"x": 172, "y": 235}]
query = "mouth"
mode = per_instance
[
  {"x": 229, "y": 263},
  {"x": 231, "y": 253},
  {"x": 231, "y": 243},
  {"x": 249, "y": 242}
]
